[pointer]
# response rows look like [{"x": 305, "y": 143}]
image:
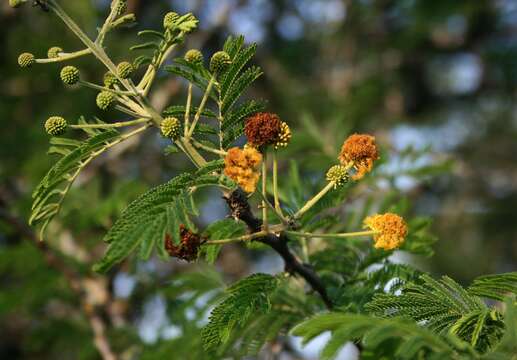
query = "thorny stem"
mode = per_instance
[
  {"x": 314, "y": 200},
  {"x": 201, "y": 106},
  {"x": 111, "y": 125}
]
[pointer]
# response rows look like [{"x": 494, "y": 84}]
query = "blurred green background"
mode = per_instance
[{"x": 433, "y": 80}]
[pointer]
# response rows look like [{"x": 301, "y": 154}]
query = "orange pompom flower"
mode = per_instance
[
  {"x": 391, "y": 230},
  {"x": 360, "y": 150},
  {"x": 188, "y": 248},
  {"x": 263, "y": 129},
  {"x": 242, "y": 166}
]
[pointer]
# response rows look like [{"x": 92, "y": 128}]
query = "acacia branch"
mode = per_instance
[{"x": 238, "y": 203}]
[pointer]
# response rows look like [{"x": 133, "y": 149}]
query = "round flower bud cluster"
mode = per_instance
[
  {"x": 170, "y": 127},
  {"x": 120, "y": 7},
  {"x": 194, "y": 56},
  {"x": 110, "y": 79},
  {"x": 53, "y": 52},
  {"x": 361, "y": 151},
  {"x": 188, "y": 248},
  {"x": 125, "y": 69},
  {"x": 220, "y": 62},
  {"x": 242, "y": 166},
  {"x": 70, "y": 75},
  {"x": 26, "y": 60},
  {"x": 284, "y": 136},
  {"x": 391, "y": 230},
  {"x": 105, "y": 99},
  {"x": 338, "y": 174},
  {"x": 264, "y": 129},
  {"x": 55, "y": 125},
  {"x": 169, "y": 20}
]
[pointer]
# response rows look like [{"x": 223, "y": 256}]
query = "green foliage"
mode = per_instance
[
  {"x": 223, "y": 229},
  {"x": 159, "y": 211},
  {"x": 247, "y": 298},
  {"x": 495, "y": 286},
  {"x": 402, "y": 338},
  {"x": 49, "y": 194},
  {"x": 395, "y": 338},
  {"x": 444, "y": 307}
]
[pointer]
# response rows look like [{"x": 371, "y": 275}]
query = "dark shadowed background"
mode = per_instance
[{"x": 434, "y": 79}]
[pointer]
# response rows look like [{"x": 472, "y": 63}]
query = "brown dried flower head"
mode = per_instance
[
  {"x": 242, "y": 166},
  {"x": 391, "y": 230},
  {"x": 263, "y": 128},
  {"x": 361, "y": 150},
  {"x": 188, "y": 248}
]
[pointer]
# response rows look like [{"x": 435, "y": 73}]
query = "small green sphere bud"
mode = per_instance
[
  {"x": 120, "y": 6},
  {"x": 55, "y": 126},
  {"x": 194, "y": 56},
  {"x": 219, "y": 62},
  {"x": 125, "y": 69},
  {"x": 16, "y": 3},
  {"x": 338, "y": 174},
  {"x": 169, "y": 20},
  {"x": 53, "y": 52},
  {"x": 26, "y": 60},
  {"x": 110, "y": 79},
  {"x": 70, "y": 75},
  {"x": 105, "y": 99},
  {"x": 170, "y": 127}
]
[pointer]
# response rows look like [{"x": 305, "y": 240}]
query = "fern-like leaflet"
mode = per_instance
[
  {"x": 160, "y": 211},
  {"x": 76, "y": 155},
  {"x": 445, "y": 306},
  {"x": 244, "y": 299}
]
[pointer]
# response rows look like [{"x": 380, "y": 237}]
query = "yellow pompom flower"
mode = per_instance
[
  {"x": 361, "y": 151},
  {"x": 391, "y": 230},
  {"x": 243, "y": 166}
]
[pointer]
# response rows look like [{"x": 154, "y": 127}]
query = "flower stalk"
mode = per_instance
[{"x": 201, "y": 107}]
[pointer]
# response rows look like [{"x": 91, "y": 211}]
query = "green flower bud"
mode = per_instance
[
  {"x": 53, "y": 52},
  {"x": 219, "y": 62},
  {"x": 70, "y": 75},
  {"x": 55, "y": 126},
  {"x": 125, "y": 69},
  {"x": 26, "y": 60},
  {"x": 338, "y": 174},
  {"x": 105, "y": 99},
  {"x": 194, "y": 56},
  {"x": 169, "y": 20},
  {"x": 110, "y": 79},
  {"x": 16, "y": 3},
  {"x": 120, "y": 7},
  {"x": 170, "y": 127}
]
